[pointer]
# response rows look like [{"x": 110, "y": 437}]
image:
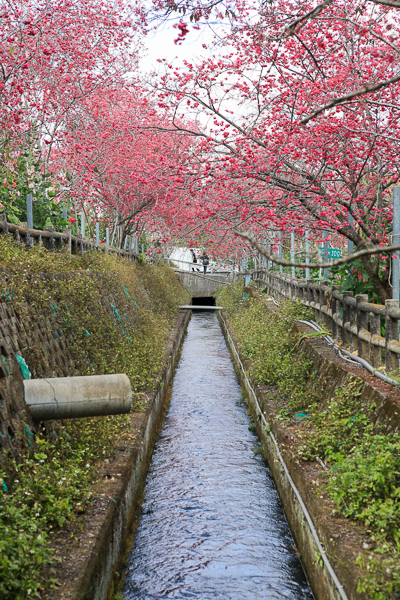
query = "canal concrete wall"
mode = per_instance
[
  {"x": 200, "y": 285},
  {"x": 341, "y": 540},
  {"x": 94, "y": 560}
]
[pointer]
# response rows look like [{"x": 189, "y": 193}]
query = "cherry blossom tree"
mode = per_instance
[
  {"x": 117, "y": 163},
  {"x": 289, "y": 124},
  {"x": 263, "y": 95},
  {"x": 54, "y": 56}
]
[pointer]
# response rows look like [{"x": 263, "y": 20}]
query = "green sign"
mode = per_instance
[{"x": 332, "y": 252}]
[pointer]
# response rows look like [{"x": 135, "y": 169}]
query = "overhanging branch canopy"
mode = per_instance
[{"x": 332, "y": 263}]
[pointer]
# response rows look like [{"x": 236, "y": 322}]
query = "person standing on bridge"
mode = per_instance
[
  {"x": 194, "y": 258},
  {"x": 205, "y": 260}
]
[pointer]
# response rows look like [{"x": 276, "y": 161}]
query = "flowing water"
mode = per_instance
[{"x": 212, "y": 524}]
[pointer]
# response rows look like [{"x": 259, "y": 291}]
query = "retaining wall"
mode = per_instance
[{"x": 39, "y": 337}]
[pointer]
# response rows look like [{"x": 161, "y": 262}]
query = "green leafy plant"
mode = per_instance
[
  {"x": 24, "y": 174},
  {"x": 267, "y": 339},
  {"x": 362, "y": 465},
  {"x": 365, "y": 486},
  {"x": 339, "y": 426}
]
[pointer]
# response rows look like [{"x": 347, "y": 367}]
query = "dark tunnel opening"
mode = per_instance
[{"x": 204, "y": 301}]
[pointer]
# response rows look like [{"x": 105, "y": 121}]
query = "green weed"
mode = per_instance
[
  {"x": 267, "y": 339},
  {"x": 364, "y": 464}
]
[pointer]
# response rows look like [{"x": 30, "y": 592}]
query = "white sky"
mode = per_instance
[{"x": 160, "y": 44}]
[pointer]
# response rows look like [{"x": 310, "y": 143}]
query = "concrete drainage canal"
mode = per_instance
[{"x": 212, "y": 525}]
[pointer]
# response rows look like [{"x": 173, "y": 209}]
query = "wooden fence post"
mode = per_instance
[
  {"x": 391, "y": 333},
  {"x": 362, "y": 323}
]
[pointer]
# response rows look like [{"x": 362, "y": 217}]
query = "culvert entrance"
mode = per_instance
[
  {"x": 212, "y": 525},
  {"x": 204, "y": 301}
]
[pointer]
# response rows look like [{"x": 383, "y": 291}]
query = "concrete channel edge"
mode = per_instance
[
  {"x": 320, "y": 572},
  {"x": 95, "y": 577}
]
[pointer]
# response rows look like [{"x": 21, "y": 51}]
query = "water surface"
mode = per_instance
[{"x": 212, "y": 524}]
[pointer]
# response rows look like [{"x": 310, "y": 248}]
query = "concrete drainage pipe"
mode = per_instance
[{"x": 75, "y": 397}]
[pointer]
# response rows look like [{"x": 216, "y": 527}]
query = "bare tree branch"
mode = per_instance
[
  {"x": 136, "y": 210},
  {"x": 342, "y": 99},
  {"x": 386, "y": 3},
  {"x": 310, "y": 15},
  {"x": 333, "y": 263}
]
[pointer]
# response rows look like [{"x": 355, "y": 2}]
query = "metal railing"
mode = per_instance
[
  {"x": 52, "y": 240},
  {"x": 354, "y": 321},
  {"x": 198, "y": 266}
]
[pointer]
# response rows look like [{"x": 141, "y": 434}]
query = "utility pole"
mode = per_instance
[
  {"x": 65, "y": 215},
  {"x": 292, "y": 254},
  {"x": 280, "y": 250},
  {"x": 326, "y": 270},
  {"x": 396, "y": 242},
  {"x": 307, "y": 233},
  {"x": 350, "y": 245},
  {"x": 29, "y": 211}
]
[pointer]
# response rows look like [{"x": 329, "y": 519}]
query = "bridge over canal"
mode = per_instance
[{"x": 202, "y": 286}]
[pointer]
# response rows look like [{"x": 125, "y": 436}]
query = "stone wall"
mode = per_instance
[
  {"x": 20, "y": 336},
  {"x": 36, "y": 339}
]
